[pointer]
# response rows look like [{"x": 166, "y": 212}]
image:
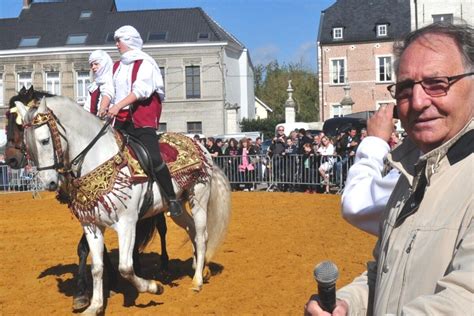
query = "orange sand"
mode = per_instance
[{"x": 264, "y": 266}]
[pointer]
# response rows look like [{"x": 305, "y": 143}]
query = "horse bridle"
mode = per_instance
[{"x": 49, "y": 118}]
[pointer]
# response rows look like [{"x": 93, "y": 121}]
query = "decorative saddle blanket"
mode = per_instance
[{"x": 184, "y": 158}]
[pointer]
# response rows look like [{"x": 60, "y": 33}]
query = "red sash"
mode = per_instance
[{"x": 94, "y": 100}]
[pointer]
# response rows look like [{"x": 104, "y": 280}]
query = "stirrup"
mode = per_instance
[{"x": 174, "y": 209}]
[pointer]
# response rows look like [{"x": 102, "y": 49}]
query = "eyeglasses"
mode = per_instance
[
  {"x": 435, "y": 87},
  {"x": 281, "y": 130}
]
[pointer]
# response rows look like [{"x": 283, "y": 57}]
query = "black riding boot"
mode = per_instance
[{"x": 164, "y": 178}]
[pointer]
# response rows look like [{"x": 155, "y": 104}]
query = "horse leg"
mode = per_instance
[
  {"x": 126, "y": 239},
  {"x": 195, "y": 226},
  {"x": 162, "y": 229},
  {"x": 80, "y": 299},
  {"x": 111, "y": 271},
  {"x": 95, "y": 239},
  {"x": 200, "y": 239}
]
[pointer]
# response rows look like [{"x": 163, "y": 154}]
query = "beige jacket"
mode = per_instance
[{"x": 425, "y": 265}]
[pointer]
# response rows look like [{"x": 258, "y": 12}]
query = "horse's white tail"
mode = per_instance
[{"x": 218, "y": 211}]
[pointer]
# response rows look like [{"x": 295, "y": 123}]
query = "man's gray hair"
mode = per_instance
[{"x": 462, "y": 33}]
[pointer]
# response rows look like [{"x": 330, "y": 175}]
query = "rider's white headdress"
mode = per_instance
[{"x": 130, "y": 36}]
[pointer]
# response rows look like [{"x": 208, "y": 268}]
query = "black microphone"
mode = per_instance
[{"x": 326, "y": 274}]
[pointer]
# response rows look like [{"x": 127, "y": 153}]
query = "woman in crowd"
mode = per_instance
[
  {"x": 232, "y": 151},
  {"x": 246, "y": 168},
  {"x": 326, "y": 150},
  {"x": 307, "y": 169}
]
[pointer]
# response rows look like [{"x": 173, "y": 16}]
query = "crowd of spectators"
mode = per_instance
[{"x": 300, "y": 162}]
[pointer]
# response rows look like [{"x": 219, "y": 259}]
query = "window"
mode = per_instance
[
  {"x": 193, "y": 82},
  {"x": 24, "y": 80},
  {"x": 86, "y": 14},
  {"x": 75, "y": 39},
  {"x": 338, "y": 71},
  {"x": 162, "y": 127},
  {"x": 442, "y": 18},
  {"x": 162, "y": 71},
  {"x": 384, "y": 69},
  {"x": 194, "y": 127},
  {"x": 52, "y": 83},
  {"x": 83, "y": 82},
  {"x": 158, "y": 36},
  {"x": 338, "y": 110},
  {"x": 381, "y": 30},
  {"x": 29, "y": 41},
  {"x": 203, "y": 36},
  {"x": 337, "y": 32},
  {"x": 1, "y": 90}
]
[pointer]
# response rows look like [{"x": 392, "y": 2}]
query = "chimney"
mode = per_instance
[{"x": 27, "y": 3}]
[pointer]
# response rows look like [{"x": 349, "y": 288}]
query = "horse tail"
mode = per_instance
[
  {"x": 146, "y": 231},
  {"x": 218, "y": 211}
]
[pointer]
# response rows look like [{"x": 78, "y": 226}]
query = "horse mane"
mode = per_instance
[{"x": 26, "y": 96}]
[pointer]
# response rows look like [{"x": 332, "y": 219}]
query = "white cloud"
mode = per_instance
[
  {"x": 306, "y": 54},
  {"x": 264, "y": 54}
]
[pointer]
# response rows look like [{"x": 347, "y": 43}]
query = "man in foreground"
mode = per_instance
[{"x": 424, "y": 258}]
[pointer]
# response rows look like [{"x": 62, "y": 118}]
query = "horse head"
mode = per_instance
[
  {"x": 15, "y": 155},
  {"x": 42, "y": 141}
]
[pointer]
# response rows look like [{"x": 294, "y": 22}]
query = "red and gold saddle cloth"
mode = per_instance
[{"x": 184, "y": 158}]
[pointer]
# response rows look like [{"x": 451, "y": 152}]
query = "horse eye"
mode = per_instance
[{"x": 45, "y": 141}]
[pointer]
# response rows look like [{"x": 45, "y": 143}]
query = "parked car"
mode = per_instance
[{"x": 336, "y": 125}]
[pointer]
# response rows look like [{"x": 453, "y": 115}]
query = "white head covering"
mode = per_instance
[
  {"x": 130, "y": 36},
  {"x": 106, "y": 64}
]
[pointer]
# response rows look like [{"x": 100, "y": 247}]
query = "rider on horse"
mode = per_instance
[{"x": 139, "y": 91}]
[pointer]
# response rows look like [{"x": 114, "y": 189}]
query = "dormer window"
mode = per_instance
[
  {"x": 85, "y": 14},
  {"x": 442, "y": 18},
  {"x": 110, "y": 38},
  {"x": 157, "y": 36},
  {"x": 30, "y": 41},
  {"x": 75, "y": 39},
  {"x": 203, "y": 36},
  {"x": 382, "y": 30},
  {"x": 337, "y": 33}
]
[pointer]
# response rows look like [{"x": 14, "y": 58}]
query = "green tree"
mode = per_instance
[
  {"x": 271, "y": 84},
  {"x": 266, "y": 126}
]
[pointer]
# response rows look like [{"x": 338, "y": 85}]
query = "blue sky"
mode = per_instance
[{"x": 285, "y": 30}]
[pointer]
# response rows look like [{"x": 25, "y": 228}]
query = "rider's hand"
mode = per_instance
[
  {"x": 102, "y": 112},
  {"x": 113, "y": 111}
]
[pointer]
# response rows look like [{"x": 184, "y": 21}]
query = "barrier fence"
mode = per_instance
[
  {"x": 277, "y": 173},
  {"x": 19, "y": 180},
  {"x": 286, "y": 172}
]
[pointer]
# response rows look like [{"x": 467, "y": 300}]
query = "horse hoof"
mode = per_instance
[
  {"x": 95, "y": 312},
  {"x": 155, "y": 288},
  {"x": 196, "y": 288},
  {"x": 80, "y": 302},
  {"x": 206, "y": 274}
]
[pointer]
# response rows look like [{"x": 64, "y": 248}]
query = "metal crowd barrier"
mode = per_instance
[
  {"x": 286, "y": 172},
  {"x": 277, "y": 173},
  {"x": 19, "y": 180}
]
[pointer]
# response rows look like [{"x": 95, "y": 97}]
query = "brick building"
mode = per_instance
[{"x": 355, "y": 44}]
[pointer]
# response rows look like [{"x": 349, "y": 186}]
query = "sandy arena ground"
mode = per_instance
[{"x": 264, "y": 267}]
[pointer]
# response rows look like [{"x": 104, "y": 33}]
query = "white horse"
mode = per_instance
[{"x": 57, "y": 132}]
